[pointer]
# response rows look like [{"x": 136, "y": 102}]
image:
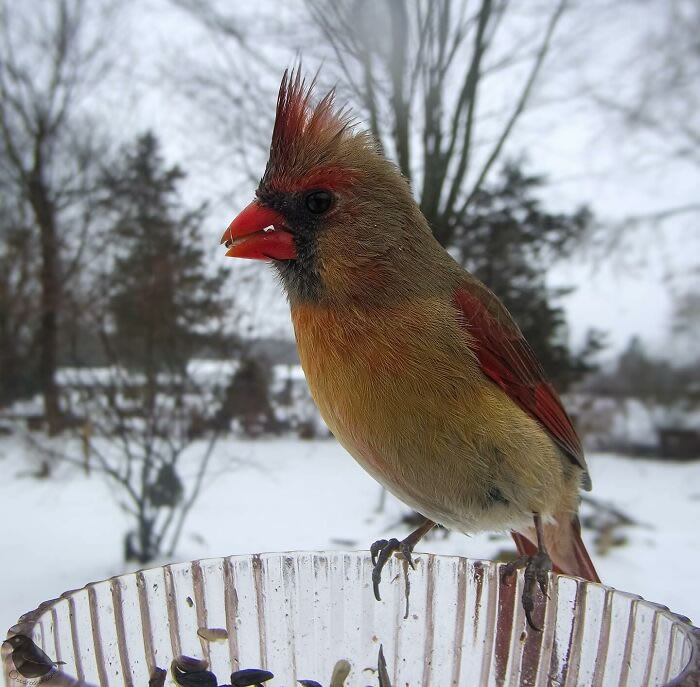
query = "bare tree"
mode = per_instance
[
  {"x": 18, "y": 298},
  {"x": 426, "y": 76},
  {"x": 419, "y": 71},
  {"x": 230, "y": 84},
  {"x": 685, "y": 323},
  {"x": 651, "y": 97},
  {"x": 659, "y": 104},
  {"x": 51, "y": 56},
  {"x": 416, "y": 71},
  {"x": 148, "y": 418},
  {"x": 153, "y": 443}
]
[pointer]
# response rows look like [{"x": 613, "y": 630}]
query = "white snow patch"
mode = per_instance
[{"x": 286, "y": 494}]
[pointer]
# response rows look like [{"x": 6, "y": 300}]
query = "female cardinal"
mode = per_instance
[{"x": 417, "y": 368}]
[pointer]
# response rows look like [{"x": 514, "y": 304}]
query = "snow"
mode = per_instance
[
  {"x": 291, "y": 372},
  {"x": 288, "y": 494},
  {"x": 607, "y": 421},
  {"x": 203, "y": 371}
]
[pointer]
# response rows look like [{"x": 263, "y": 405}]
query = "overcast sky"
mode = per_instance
[{"x": 587, "y": 157}]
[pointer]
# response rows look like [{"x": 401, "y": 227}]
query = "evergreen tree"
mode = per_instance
[
  {"x": 158, "y": 307},
  {"x": 161, "y": 297},
  {"x": 508, "y": 241},
  {"x": 248, "y": 398}
]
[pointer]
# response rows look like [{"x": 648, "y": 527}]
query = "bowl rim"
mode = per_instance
[{"x": 688, "y": 677}]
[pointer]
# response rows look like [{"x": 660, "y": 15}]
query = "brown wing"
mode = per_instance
[{"x": 507, "y": 359}]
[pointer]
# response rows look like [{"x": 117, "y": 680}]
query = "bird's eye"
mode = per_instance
[{"x": 318, "y": 202}]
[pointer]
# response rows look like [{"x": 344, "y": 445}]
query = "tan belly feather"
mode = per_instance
[{"x": 425, "y": 422}]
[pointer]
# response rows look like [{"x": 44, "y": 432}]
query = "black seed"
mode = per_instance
[
  {"x": 191, "y": 672},
  {"x": 250, "y": 677},
  {"x": 157, "y": 678},
  {"x": 202, "y": 678},
  {"x": 189, "y": 664}
]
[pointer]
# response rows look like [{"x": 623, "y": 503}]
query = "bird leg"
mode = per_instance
[
  {"x": 382, "y": 549},
  {"x": 537, "y": 569}
]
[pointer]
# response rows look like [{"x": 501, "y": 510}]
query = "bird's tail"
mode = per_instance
[{"x": 564, "y": 546}]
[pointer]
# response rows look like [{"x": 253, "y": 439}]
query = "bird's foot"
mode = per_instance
[
  {"x": 537, "y": 569},
  {"x": 381, "y": 551}
]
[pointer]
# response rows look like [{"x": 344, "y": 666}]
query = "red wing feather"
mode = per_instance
[{"x": 507, "y": 359}]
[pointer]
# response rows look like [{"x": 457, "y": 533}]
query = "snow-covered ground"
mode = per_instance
[{"x": 287, "y": 494}]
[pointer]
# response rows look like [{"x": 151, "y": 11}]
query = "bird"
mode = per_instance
[{"x": 417, "y": 368}]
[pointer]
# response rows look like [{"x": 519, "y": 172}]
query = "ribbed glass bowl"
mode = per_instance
[{"x": 298, "y": 614}]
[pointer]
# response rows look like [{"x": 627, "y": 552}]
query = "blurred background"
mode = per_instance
[{"x": 151, "y": 403}]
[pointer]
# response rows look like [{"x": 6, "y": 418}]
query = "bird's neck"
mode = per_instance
[{"x": 357, "y": 277}]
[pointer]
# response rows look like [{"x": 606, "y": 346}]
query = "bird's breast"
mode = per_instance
[
  {"x": 387, "y": 385},
  {"x": 368, "y": 370},
  {"x": 403, "y": 393}
]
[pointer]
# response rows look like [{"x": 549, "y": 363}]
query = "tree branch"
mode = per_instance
[
  {"x": 522, "y": 101},
  {"x": 468, "y": 95}
]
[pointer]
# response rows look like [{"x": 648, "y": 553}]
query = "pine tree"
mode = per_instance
[
  {"x": 248, "y": 398},
  {"x": 162, "y": 298},
  {"x": 159, "y": 306}
]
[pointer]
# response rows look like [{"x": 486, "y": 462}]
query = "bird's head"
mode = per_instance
[{"x": 331, "y": 213}]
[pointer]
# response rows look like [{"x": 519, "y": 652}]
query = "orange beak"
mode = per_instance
[{"x": 259, "y": 233}]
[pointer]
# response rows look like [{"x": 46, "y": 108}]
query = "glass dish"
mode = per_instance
[{"x": 298, "y": 614}]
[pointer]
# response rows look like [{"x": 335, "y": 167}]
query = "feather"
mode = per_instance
[
  {"x": 564, "y": 545},
  {"x": 507, "y": 359},
  {"x": 302, "y": 132}
]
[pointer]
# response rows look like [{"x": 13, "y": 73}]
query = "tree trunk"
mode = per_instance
[
  {"x": 50, "y": 294},
  {"x": 399, "y": 30}
]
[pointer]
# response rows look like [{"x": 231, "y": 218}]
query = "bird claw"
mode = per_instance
[
  {"x": 537, "y": 569},
  {"x": 510, "y": 568},
  {"x": 381, "y": 551},
  {"x": 376, "y": 548},
  {"x": 385, "y": 548}
]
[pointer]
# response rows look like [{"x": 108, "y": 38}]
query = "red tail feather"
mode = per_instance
[
  {"x": 565, "y": 547},
  {"x": 585, "y": 565}
]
